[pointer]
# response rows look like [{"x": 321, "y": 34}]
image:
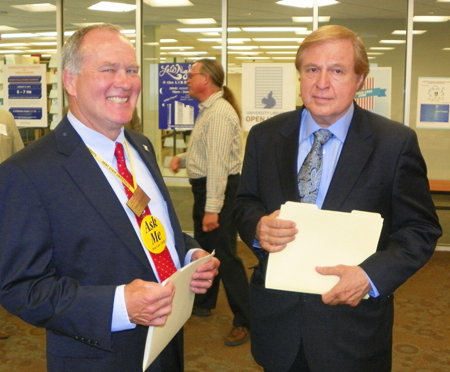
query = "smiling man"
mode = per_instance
[
  {"x": 73, "y": 258},
  {"x": 335, "y": 154}
]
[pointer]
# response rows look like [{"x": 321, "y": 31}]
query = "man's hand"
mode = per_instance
[
  {"x": 148, "y": 303},
  {"x": 205, "y": 273},
  {"x": 175, "y": 164},
  {"x": 210, "y": 222},
  {"x": 352, "y": 287},
  {"x": 273, "y": 234}
]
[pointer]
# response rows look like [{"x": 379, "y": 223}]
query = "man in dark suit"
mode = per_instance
[
  {"x": 73, "y": 258},
  {"x": 370, "y": 163}
]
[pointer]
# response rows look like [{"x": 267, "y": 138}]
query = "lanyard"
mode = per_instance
[{"x": 132, "y": 188}]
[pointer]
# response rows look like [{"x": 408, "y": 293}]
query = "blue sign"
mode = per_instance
[
  {"x": 177, "y": 110},
  {"x": 25, "y": 91},
  {"x": 26, "y": 113},
  {"x": 24, "y": 79},
  {"x": 434, "y": 113}
]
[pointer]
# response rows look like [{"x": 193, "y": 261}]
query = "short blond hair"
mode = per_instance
[{"x": 331, "y": 33}]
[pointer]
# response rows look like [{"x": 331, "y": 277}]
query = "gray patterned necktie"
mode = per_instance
[{"x": 311, "y": 170}]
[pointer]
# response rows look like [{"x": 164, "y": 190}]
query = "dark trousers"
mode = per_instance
[
  {"x": 223, "y": 241},
  {"x": 300, "y": 363}
]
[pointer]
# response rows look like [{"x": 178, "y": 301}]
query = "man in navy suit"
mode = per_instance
[
  {"x": 371, "y": 164},
  {"x": 72, "y": 256}
]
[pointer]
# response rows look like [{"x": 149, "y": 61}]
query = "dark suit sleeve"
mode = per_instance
[
  {"x": 249, "y": 208},
  {"x": 31, "y": 286},
  {"x": 411, "y": 226}
]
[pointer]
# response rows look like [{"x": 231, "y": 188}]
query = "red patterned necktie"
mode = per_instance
[{"x": 163, "y": 262}]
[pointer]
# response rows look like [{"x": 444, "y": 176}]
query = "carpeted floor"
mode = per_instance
[{"x": 421, "y": 333}]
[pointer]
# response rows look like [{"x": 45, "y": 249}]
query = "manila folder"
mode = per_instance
[
  {"x": 324, "y": 238},
  {"x": 183, "y": 300}
]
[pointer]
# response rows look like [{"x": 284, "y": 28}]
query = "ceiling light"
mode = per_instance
[
  {"x": 17, "y": 36},
  {"x": 168, "y": 41},
  {"x": 392, "y": 41},
  {"x": 374, "y": 53},
  {"x": 252, "y": 57},
  {"x": 245, "y": 53},
  {"x": 10, "y": 45},
  {"x": 167, "y": 3},
  {"x": 279, "y": 39},
  {"x": 197, "y": 21},
  {"x": 234, "y": 47},
  {"x": 310, "y": 19},
  {"x": 213, "y": 29},
  {"x": 195, "y": 59},
  {"x": 44, "y": 7},
  {"x": 306, "y": 3},
  {"x": 187, "y": 53},
  {"x": 273, "y": 29},
  {"x": 445, "y": 49},
  {"x": 10, "y": 51},
  {"x": 229, "y": 40},
  {"x": 381, "y": 48},
  {"x": 107, "y": 6},
  {"x": 281, "y": 52},
  {"x": 177, "y": 48},
  {"x": 279, "y": 47},
  {"x": 403, "y": 32},
  {"x": 430, "y": 18},
  {"x": 284, "y": 58}
]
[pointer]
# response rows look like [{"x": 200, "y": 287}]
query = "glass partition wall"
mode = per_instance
[{"x": 408, "y": 38}]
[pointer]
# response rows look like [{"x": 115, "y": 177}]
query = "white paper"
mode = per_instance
[
  {"x": 183, "y": 301},
  {"x": 3, "y": 130},
  {"x": 324, "y": 238}
]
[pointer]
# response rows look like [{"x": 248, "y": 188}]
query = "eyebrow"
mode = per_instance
[{"x": 113, "y": 64}]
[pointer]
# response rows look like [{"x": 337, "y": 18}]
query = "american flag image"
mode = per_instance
[{"x": 367, "y": 102}]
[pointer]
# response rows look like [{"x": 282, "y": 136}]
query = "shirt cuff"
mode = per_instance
[
  {"x": 120, "y": 320},
  {"x": 374, "y": 291},
  {"x": 188, "y": 257},
  {"x": 258, "y": 250}
]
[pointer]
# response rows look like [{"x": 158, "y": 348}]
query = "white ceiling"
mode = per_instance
[{"x": 374, "y": 20}]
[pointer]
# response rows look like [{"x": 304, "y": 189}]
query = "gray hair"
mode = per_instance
[{"x": 71, "y": 56}]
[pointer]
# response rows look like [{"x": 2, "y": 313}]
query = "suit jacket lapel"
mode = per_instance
[
  {"x": 354, "y": 155},
  {"x": 83, "y": 169},
  {"x": 286, "y": 150}
]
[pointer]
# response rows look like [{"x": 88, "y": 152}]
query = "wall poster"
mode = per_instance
[
  {"x": 25, "y": 94},
  {"x": 268, "y": 89},
  {"x": 177, "y": 110},
  {"x": 433, "y": 103},
  {"x": 375, "y": 95}
]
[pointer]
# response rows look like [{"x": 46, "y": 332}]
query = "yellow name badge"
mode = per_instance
[{"x": 153, "y": 234}]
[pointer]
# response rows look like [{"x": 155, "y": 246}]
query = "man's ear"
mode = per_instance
[{"x": 69, "y": 80}]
